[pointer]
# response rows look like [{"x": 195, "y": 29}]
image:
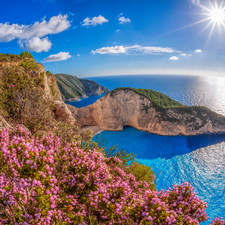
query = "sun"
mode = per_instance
[
  {"x": 214, "y": 14},
  {"x": 217, "y": 15}
]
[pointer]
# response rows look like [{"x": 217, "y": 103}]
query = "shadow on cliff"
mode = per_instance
[{"x": 151, "y": 146}]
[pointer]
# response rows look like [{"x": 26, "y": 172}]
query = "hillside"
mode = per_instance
[
  {"x": 29, "y": 95},
  {"x": 149, "y": 111},
  {"x": 73, "y": 88}
]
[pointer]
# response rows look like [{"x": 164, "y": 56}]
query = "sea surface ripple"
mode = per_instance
[{"x": 197, "y": 159}]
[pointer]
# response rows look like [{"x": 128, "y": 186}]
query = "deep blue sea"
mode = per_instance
[{"x": 196, "y": 159}]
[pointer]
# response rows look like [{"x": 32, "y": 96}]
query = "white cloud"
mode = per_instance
[
  {"x": 110, "y": 50},
  {"x": 198, "y": 50},
  {"x": 120, "y": 14},
  {"x": 195, "y": 2},
  {"x": 94, "y": 21},
  {"x": 31, "y": 36},
  {"x": 78, "y": 54},
  {"x": 118, "y": 30},
  {"x": 58, "y": 57},
  {"x": 124, "y": 20},
  {"x": 189, "y": 54},
  {"x": 37, "y": 44},
  {"x": 173, "y": 58},
  {"x": 55, "y": 25},
  {"x": 134, "y": 49},
  {"x": 183, "y": 54}
]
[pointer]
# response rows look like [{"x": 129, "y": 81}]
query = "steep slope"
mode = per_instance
[
  {"x": 73, "y": 88},
  {"x": 133, "y": 107},
  {"x": 29, "y": 95}
]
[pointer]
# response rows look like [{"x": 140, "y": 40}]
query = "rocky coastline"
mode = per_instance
[{"x": 122, "y": 108}]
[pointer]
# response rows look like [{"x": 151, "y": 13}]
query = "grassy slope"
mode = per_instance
[
  {"x": 157, "y": 98},
  {"x": 69, "y": 86}
]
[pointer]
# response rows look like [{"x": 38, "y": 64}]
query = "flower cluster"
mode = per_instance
[{"x": 42, "y": 182}]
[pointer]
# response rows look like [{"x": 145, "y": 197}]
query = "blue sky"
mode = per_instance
[{"x": 104, "y": 37}]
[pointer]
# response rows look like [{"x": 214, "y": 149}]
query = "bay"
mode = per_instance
[{"x": 196, "y": 159}]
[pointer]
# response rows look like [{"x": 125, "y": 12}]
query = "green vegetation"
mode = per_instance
[
  {"x": 69, "y": 86},
  {"x": 53, "y": 90},
  {"x": 15, "y": 58},
  {"x": 157, "y": 98},
  {"x": 29, "y": 65},
  {"x": 21, "y": 96},
  {"x": 129, "y": 163},
  {"x": 73, "y": 87}
]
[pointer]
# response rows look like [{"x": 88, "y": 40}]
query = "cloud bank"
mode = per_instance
[
  {"x": 55, "y": 25},
  {"x": 134, "y": 49},
  {"x": 29, "y": 35},
  {"x": 61, "y": 56},
  {"x": 94, "y": 21}
]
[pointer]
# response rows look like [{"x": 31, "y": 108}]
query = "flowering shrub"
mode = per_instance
[
  {"x": 42, "y": 182},
  {"x": 218, "y": 221}
]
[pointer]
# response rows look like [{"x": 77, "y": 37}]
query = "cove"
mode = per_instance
[{"x": 199, "y": 160}]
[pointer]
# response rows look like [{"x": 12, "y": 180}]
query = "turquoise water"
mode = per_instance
[{"x": 196, "y": 159}]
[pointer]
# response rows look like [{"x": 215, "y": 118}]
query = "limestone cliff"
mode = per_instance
[
  {"x": 72, "y": 88},
  {"x": 125, "y": 107},
  {"x": 22, "y": 80}
]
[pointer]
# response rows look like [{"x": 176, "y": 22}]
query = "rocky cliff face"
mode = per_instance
[
  {"x": 49, "y": 89},
  {"x": 93, "y": 88},
  {"x": 123, "y": 108}
]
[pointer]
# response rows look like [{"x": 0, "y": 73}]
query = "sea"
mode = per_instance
[{"x": 199, "y": 159}]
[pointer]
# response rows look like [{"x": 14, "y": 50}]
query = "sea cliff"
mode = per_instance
[
  {"x": 29, "y": 95},
  {"x": 126, "y": 107}
]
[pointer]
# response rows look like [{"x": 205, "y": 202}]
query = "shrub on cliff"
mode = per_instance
[
  {"x": 29, "y": 65},
  {"x": 42, "y": 182},
  {"x": 22, "y": 100},
  {"x": 15, "y": 58},
  {"x": 129, "y": 163}
]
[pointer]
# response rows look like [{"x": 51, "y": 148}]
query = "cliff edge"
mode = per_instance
[
  {"x": 149, "y": 111},
  {"x": 29, "y": 95}
]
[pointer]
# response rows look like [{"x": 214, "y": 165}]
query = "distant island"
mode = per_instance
[{"x": 73, "y": 88}]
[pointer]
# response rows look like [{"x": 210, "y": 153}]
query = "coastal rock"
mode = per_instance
[
  {"x": 123, "y": 108},
  {"x": 4, "y": 124},
  {"x": 50, "y": 92},
  {"x": 63, "y": 113}
]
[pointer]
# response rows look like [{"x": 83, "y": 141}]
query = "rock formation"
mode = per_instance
[
  {"x": 124, "y": 107},
  {"x": 45, "y": 82},
  {"x": 4, "y": 124}
]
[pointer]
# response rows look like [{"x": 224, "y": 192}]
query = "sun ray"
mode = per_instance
[
  {"x": 221, "y": 5},
  {"x": 205, "y": 27},
  {"x": 214, "y": 13},
  {"x": 210, "y": 33}
]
